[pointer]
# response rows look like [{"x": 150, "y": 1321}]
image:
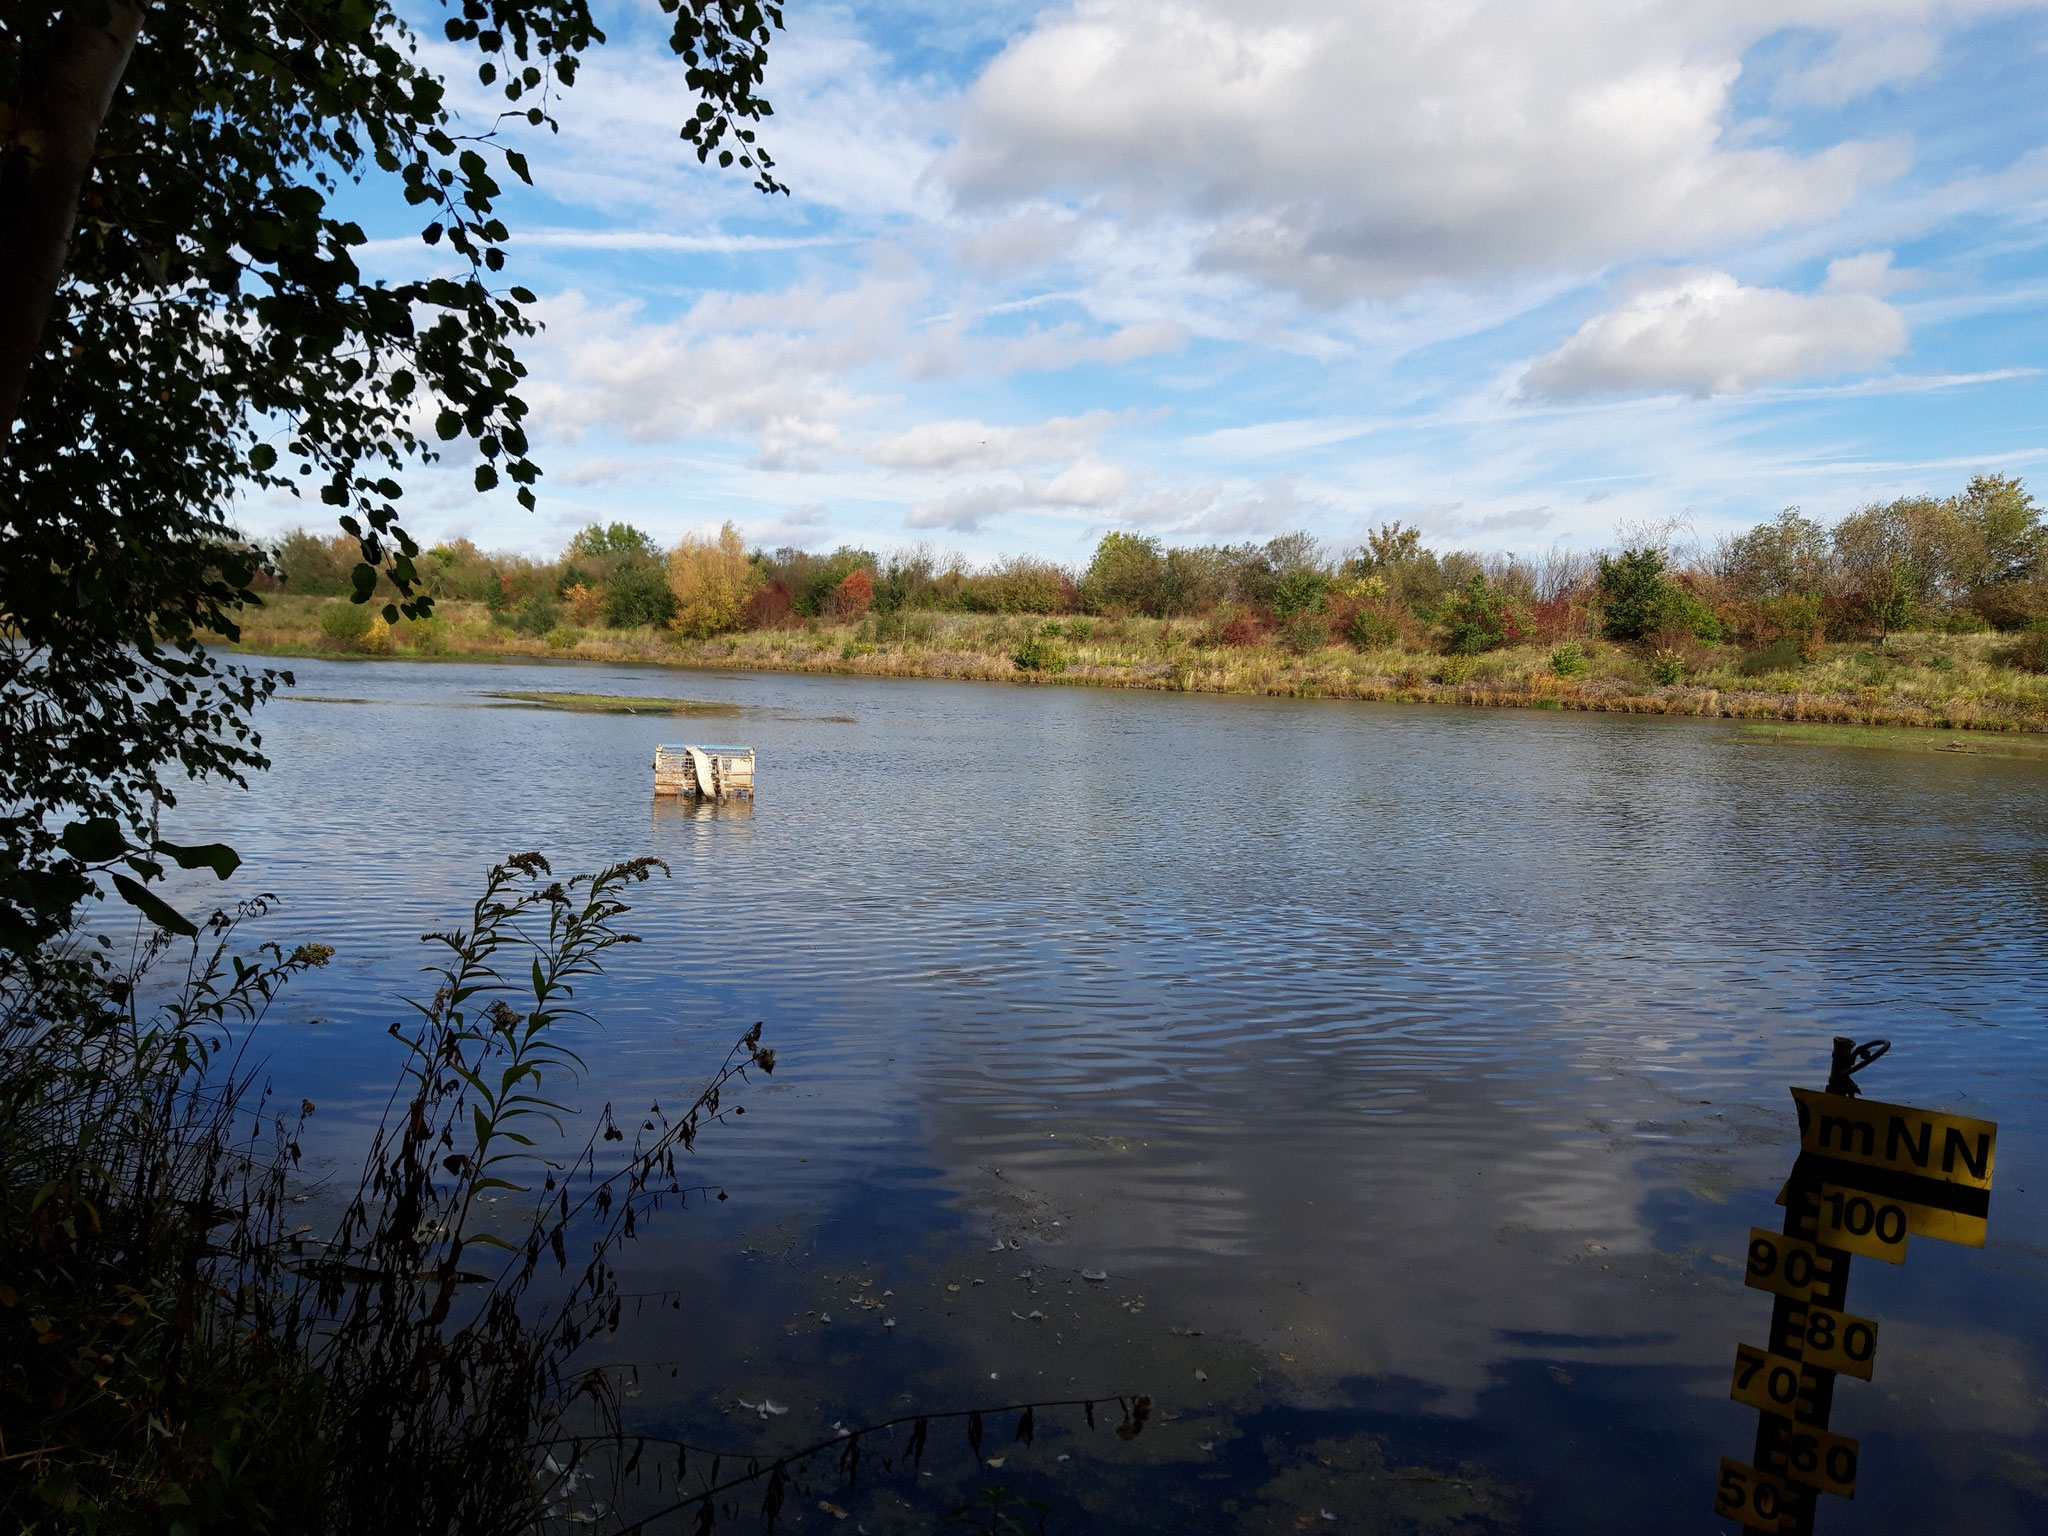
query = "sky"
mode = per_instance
[{"x": 1520, "y": 273}]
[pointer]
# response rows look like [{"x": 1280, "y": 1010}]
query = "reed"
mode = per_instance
[{"x": 195, "y": 1358}]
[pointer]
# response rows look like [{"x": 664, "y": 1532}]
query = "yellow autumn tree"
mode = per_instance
[{"x": 712, "y": 579}]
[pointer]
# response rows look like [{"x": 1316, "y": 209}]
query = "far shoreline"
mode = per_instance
[{"x": 1898, "y": 685}]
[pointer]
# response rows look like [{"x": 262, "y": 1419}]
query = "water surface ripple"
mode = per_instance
[{"x": 1431, "y": 1061}]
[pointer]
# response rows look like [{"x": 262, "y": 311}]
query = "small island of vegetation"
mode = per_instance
[{"x": 1923, "y": 611}]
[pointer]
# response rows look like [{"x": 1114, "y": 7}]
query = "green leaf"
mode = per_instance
[
  {"x": 154, "y": 908},
  {"x": 483, "y": 1127},
  {"x": 94, "y": 840},
  {"x": 518, "y": 163},
  {"x": 262, "y": 457},
  {"x": 218, "y": 857}
]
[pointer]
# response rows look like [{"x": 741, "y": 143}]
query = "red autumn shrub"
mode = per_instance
[
  {"x": 1565, "y": 617},
  {"x": 768, "y": 608},
  {"x": 853, "y": 596}
]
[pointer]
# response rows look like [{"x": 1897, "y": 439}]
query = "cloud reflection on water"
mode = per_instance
[{"x": 1416, "y": 1044}]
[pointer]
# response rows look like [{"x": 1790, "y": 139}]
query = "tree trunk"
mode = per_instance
[{"x": 67, "y": 84}]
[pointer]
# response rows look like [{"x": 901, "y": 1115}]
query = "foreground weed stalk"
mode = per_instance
[{"x": 181, "y": 1356}]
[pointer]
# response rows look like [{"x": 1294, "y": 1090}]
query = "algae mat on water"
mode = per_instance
[
  {"x": 1902, "y": 739},
  {"x": 614, "y": 704}
]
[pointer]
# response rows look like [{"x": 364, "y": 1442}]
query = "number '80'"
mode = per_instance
[{"x": 1858, "y": 1340}]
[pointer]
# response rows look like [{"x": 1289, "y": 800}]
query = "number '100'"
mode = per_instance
[{"x": 1859, "y": 1217}]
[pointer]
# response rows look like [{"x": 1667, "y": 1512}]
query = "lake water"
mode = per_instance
[{"x": 1414, "y": 1074}]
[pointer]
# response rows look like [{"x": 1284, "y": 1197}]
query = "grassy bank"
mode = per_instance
[{"x": 1949, "y": 682}]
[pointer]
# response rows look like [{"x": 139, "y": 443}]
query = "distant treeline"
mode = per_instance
[{"x": 1973, "y": 561}]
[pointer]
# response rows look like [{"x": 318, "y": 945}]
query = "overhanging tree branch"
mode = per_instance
[{"x": 67, "y": 85}]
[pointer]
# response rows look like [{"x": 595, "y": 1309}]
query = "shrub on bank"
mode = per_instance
[
  {"x": 1373, "y": 627},
  {"x": 1667, "y": 667},
  {"x": 1480, "y": 616},
  {"x": 1304, "y": 631},
  {"x": 636, "y": 597},
  {"x": 852, "y": 597},
  {"x": 2030, "y": 652},
  {"x": 770, "y": 607},
  {"x": 1038, "y": 654},
  {"x": 1228, "y": 628},
  {"x": 1781, "y": 655},
  {"x": 345, "y": 623},
  {"x": 711, "y": 580}
]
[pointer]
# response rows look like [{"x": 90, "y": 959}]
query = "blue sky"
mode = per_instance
[{"x": 1521, "y": 272}]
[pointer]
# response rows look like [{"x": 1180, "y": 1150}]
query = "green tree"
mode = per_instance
[
  {"x": 1415, "y": 576},
  {"x": 2007, "y": 524},
  {"x": 599, "y": 542},
  {"x": 1195, "y": 578},
  {"x": 1786, "y": 557},
  {"x": 2008, "y": 576},
  {"x": 639, "y": 594},
  {"x": 312, "y": 566},
  {"x": 182, "y": 318},
  {"x": 1633, "y": 594},
  {"x": 1128, "y": 571},
  {"x": 1300, "y": 591},
  {"x": 1478, "y": 617},
  {"x": 1898, "y": 559},
  {"x": 1257, "y": 573},
  {"x": 1387, "y": 548}
]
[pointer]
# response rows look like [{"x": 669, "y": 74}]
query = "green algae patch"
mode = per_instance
[
  {"x": 613, "y": 704},
  {"x": 1976, "y": 743}
]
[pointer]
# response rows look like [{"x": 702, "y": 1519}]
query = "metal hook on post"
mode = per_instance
[{"x": 1849, "y": 1059}]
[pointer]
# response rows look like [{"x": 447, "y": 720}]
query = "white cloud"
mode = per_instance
[
  {"x": 1870, "y": 273},
  {"x": 1345, "y": 150},
  {"x": 965, "y": 510},
  {"x": 771, "y": 363},
  {"x": 1703, "y": 333},
  {"x": 802, "y": 526},
  {"x": 1025, "y": 239},
  {"x": 1214, "y": 508},
  {"x": 1068, "y": 346},
  {"x": 967, "y": 444},
  {"x": 1088, "y": 483},
  {"x": 1861, "y": 60},
  {"x": 657, "y": 240},
  {"x": 848, "y": 131},
  {"x": 609, "y": 471}
]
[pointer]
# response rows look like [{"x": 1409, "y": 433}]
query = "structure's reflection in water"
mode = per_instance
[{"x": 1414, "y": 1075}]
